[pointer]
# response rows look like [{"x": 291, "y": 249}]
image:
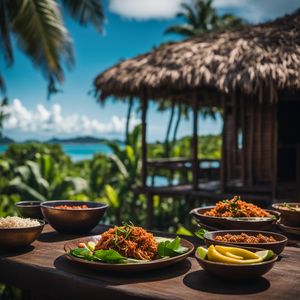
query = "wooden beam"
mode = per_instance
[
  {"x": 144, "y": 140},
  {"x": 195, "y": 163}
]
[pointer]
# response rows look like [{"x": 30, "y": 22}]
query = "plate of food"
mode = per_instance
[
  {"x": 247, "y": 238},
  {"x": 235, "y": 214},
  {"x": 234, "y": 263},
  {"x": 127, "y": 248}
]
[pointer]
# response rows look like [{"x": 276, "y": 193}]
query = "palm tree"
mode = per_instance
[
  {"x": 39, "y": 31},
  {"x": 201, "y": 17}
]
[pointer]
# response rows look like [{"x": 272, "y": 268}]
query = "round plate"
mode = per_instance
[
  {"x": 276, "y": 247},
  {"x": 233, "y": 223},
  {"x": 128, "y": 267}
]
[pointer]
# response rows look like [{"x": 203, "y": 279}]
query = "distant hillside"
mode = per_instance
[
  {"x": 79, "y": 140},
  {"x": 5, "y": 140}
]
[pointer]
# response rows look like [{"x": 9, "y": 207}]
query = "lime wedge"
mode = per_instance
[
  {"x": 265, "y": 254},
  {"x": 202, "y": 252},
  {"x": 91, "y": 245}
]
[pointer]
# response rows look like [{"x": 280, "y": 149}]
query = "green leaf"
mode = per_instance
[
  {"x": 200, "y": 233},
  {"x": 112, "y": 196},
  {"x": 171, "y": 248},
  {"x": 109, "y": 256},
  {"x": 182, "y": 230},
  {"x": 82, "y": 253}
]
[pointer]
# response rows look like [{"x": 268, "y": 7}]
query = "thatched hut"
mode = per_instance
[{"x": 253, "y": 74}]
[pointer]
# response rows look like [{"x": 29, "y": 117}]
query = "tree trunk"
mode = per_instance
[
  {"x": 167, "y": 145},
  {"x": 177, "y": 124},
  {"x": 130, "y": 106}
]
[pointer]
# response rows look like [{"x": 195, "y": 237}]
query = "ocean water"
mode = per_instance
[{"x": 78, "y": 152}]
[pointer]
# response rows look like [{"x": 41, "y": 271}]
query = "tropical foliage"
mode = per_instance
[
  {"x": 200, "y": 17},
  {"x": 38, "y": 28},
  {"x": 43, "y": 172}
]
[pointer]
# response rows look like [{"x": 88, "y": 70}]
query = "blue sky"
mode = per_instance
[{"x": 131, "y": 28}]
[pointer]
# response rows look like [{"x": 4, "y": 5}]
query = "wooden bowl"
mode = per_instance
[
  {"x": 73, "y": 220},
  {"x": 29, "y": 209},
  {"x": 288, "y": 217},
  {"x": 233, "y": 223},
  {"x": 17, "y": 238},
  {"x": 237, "y": 271},
  {"x": 277, "y": 247}
]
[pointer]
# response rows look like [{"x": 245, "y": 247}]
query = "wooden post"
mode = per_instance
[
  {"x": 244, "y": 149},
  {"x": 223, "y": 161},
  {"x": 234, "y": 134},
  {"x": 195, "y": 163},
  {"x": 251, "y": 143},
  {"x": 275, "y": 150},
  {"x": 144, "y": 141},
  {"x": 150, "y": 208}
]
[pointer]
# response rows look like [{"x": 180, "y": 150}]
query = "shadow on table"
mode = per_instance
[
  {"x": 116, "y": 278},
  {"x": 54, "y": 236},
  {"x": 14, "y": 252},
  {"x": 200, "y": 280}
]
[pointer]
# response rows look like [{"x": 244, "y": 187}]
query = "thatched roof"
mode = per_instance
[{"x": 257, "y": 60}]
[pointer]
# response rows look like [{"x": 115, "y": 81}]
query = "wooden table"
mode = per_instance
[{"x": 47, "y": 274}]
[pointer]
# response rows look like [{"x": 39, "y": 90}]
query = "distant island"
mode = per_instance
[
  {"x": 6, "y": 140},
  {"x": 76, "y": 140}
]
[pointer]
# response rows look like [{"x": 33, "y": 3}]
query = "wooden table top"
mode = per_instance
[{"x": 44, "y": 269}]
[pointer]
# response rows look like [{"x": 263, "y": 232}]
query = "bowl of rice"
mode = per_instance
[{"x": 16, "y": 232}]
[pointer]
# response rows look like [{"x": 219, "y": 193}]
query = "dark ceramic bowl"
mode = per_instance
[
  {"x": 73, "y": 220},
  {"x": 276, "y": 247},
  {"x": 29, "y": 209},
  {"x": 233, "y": 223},
  {"x": 17, "y": 238},
  {"x": 237, "y": 272},
  {"x": 288, "y": 217}
]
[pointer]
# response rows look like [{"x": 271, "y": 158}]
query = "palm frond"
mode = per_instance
[
  {"x": 41, "y": 34},
  {"x": 184, "y": 30},
  {"x": 86, "y": 12},
  {"x": 5, "y": 40}
]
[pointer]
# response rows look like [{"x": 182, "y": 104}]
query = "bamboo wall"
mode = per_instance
[{"x": 251, "y": 162}]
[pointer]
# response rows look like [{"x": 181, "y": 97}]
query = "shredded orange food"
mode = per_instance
[
  {"x": 69, "y": 207},
  {"x": 129, "y": 241},
  {"x": 236, "y": 208}
]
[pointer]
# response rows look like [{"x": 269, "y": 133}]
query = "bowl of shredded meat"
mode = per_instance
[
  {"x": 247, "y": 238},
  {"x": 235, "y": 214}
]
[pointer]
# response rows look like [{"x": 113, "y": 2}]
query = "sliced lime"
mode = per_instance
[
  {"x": 91, "y": 245},
  {"x": 265, "y": 254},
  {"x": 202, "y": 252}
]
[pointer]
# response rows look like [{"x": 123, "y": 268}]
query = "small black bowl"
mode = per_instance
[
  {"x": 73, "y": 220},
  {"x": 277, "y": 247},
  {"x": 29, "y": 209},
  {"x": 237, "y": 271}
]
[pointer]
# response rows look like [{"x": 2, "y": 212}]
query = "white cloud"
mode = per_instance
[
  {"x": 52, "y": 121},
  {"x": 251, "y": 10},
  {"x": 258, "y": 10},
  {"x": 146, "y": 9}
]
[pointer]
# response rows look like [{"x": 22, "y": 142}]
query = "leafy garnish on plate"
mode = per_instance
[
  {"x": 171, "y": 248},
  {"x": 166, "y": 248}
]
